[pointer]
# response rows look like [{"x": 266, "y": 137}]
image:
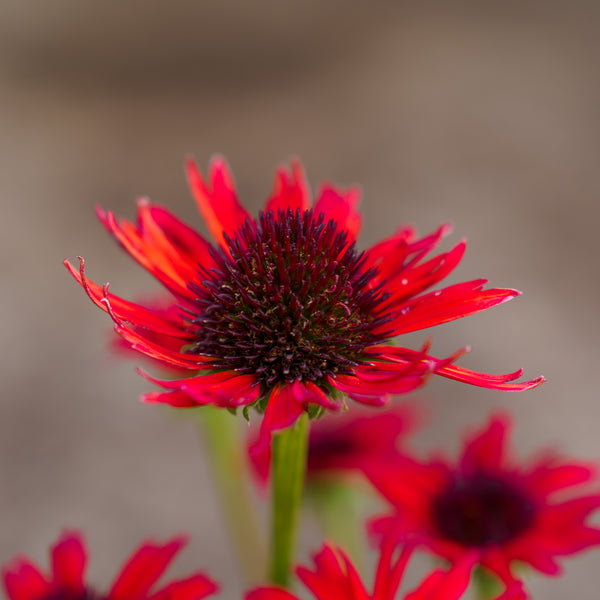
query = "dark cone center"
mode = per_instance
[
  {"x": 482, "y": 510},
  {"x": 292, "y": 301}
]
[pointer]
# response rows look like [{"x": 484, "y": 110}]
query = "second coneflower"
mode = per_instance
[{"x": 284, "y": 313}]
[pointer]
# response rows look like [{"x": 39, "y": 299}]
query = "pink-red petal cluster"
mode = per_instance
[
  {"x": 490, "y": 503},
  {"x": 23, "y": 580},
  {"x": 334, "y": 577}
]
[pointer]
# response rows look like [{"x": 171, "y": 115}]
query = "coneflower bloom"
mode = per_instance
[
  {"x": 67, "y": 579},
  {"x": 284, "y": 313},
  {"x": 335, "y": 578},
  {"x": 487, "y": 502},
  {"x": 347, "y": 443}
]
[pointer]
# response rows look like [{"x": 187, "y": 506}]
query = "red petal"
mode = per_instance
[
  {"x": 290, "y": 190},
  {"x": 144, "y": 568},
  {"x": 342, "y": 207},
  {"x": 547, "y": 477},
  {"x": 492, "y": 382},
  {"x": 269, "y": 593},
  {"x": 449, "y": 585},
  {"x": 448, "y": 304},
  {"x": 486, "y": 451},
  {"x": 218, "y": 204},
  {"x": 409, "y": 282},
  {"x": 23, "y": 581},
  {"x": 329, "y": 580},
  {"x": 69, "y": 562},
  {"x": 225, "y": 388},
  {"x": 169, "y": 260},
  {"x": 283, "y": 409},
  {"x": 128, "y": 311},
  {"x": 193, "y": 588}
]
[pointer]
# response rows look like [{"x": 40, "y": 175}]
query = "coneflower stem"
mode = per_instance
[
  {"x": 288, "y": 468},
  {"x": 221, "y": 433},
  {"x": 486, "y": 585}
]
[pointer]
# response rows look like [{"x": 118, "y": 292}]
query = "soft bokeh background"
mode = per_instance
[{"x": 484, "y": 114}]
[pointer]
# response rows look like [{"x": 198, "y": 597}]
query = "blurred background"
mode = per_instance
[{"x": 484, "y": 114}]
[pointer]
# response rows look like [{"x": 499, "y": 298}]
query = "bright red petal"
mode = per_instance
[
  {"x": 284, "y": 407},
  {"x": 217, "y": 201},
  {"x": 448, "y": 304},
  {"x": 69, "y": 562},
  {"x": 290, "y": 190},
  {"x": 144, "y": 569},
  {"x": 23, "y": 581},
  {"x": 195, "y": 587},
  {"x": 269, "y": 593},
  {"x": 342, "y": 207}
]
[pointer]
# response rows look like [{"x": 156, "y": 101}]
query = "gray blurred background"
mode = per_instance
[{"x": 484, "y": 114}]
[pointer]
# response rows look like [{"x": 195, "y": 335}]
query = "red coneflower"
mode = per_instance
[
  {"x": 284, "y": 313},
  {"x": 24, "y": 581},
  {"x": 490, "y": 504},
  {"x": 335, "y": 578}
]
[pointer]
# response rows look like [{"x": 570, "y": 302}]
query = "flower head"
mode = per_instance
[
  {"x": 284, "y": 313},
  {"x": 488, "y": 503},
  {"x": 66, "y": 581},
  {"x": 335, "y": 578}
]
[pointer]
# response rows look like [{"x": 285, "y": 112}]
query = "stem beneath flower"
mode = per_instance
[
  {"x": 230, "y": 470},
  {"x": 486, "y": 585},
  {"x": 288, "y": 468},
  {"x": 339, "y": 507}
]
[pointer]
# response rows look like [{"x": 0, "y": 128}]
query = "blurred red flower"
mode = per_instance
[
  {"x": 284, "y": 313},
  {"x": 24, "y": 581},
  {"x": 489, "y": 503},
  {"x": 335, "y": 578}
]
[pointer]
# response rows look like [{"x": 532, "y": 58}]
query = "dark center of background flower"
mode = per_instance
[
  {"x": 66, "y": 594},
  {"x": 482, "y": 510},
  {"x": 293, "y": 301}
]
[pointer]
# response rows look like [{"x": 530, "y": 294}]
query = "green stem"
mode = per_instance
[
  {"x": 288, "y": 468},
  {"x": 230, "y": 470},
  {"x": 486, "y": 584},
  {"x": 339, "y": 508}
]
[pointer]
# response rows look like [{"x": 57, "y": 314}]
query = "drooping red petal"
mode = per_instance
[
  {"x": 69, "y": 562},
  {"x": 492, "y": 382},
  {"x": 226, "y": 388},
  {"x": 286, "y": 403},
  {"x": 23, "y": 581},
  {"x": 342, "y": 207},
  {"x": 144, "y": 569},
  {"x": 290, "y": 189},
  {"x": 195, "y": 587},
  {"x": 217, "y": 201},
  {"x": 269, "y": 593},
  {"x": 148, "y": 346},
  {"x": 131, "y": 312}
]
